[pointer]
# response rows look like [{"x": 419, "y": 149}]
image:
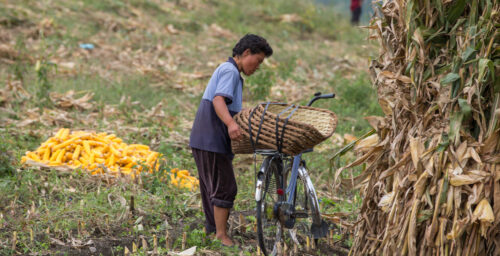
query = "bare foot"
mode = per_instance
[{"x": 225, "y": 240}]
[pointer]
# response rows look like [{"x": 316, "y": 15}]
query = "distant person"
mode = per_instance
[
  {"x": 355, "y": 11},
  {"x": 214, "y": 128}
]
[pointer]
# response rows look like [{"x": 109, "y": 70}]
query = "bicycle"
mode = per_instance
[{"x": 282, "y": 184}]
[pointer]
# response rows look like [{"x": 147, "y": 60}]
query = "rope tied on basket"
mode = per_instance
[
  {"x": 260, "y": 126},
  {"x": 282, "y": 127},
  {"x": 279, "y": 138}
]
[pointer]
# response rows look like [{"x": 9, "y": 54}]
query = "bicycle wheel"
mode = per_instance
[
  {"x": 306, "y": 198},
  {"x": 307, "y": 212},
  {"x": 269, "y": 228}
]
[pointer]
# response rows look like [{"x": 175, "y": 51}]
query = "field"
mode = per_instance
[{"x": 138, "y": 69}]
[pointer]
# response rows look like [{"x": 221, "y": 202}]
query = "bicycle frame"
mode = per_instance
[
  {"x": 296, "y": 168},
  {"x": 290, "y": 190},
  {"x": 283, "y": 207}
]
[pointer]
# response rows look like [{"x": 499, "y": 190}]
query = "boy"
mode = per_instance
[{"x": 214, "y": 128}]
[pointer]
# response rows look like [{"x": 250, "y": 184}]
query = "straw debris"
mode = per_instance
[{"x": 431, "y": 185}]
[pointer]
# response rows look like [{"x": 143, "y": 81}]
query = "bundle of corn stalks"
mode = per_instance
[{"x": 432, "y": 180}]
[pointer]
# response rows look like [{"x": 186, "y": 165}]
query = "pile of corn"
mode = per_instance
[
  {"x": 96, "y": 152},
  {"x": 182, "y": 179}
]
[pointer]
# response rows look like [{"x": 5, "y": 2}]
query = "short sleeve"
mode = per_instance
[{"x": 227, "y": 82}]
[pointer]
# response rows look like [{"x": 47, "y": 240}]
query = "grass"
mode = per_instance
[
  {"x": 136, "y": 65},
  {"x": 74, "y": 205}
]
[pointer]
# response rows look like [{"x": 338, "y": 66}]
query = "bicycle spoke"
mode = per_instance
[
  {"x": 306, "y": 210},
  {"x": 269, "y": 228}
]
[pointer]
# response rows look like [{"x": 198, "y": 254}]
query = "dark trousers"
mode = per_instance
[
  {"x": 217, "y": 183},
  {"x": 355, "y": 16}
]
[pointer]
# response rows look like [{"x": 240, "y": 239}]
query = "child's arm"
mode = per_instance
[{"x": 223, "y": 113}]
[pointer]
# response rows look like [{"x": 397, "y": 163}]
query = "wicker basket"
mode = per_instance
[{"x": 305, "y": 127}]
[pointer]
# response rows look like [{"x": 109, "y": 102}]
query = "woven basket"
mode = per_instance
[{"x": 305, "y": 128}]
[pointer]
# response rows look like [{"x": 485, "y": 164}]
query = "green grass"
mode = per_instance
[
  {"x": 136, "y": 57},
  {"x": 79, "y": 206}
]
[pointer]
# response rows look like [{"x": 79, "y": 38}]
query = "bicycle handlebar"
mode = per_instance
[{"x": 318, "y": 96}]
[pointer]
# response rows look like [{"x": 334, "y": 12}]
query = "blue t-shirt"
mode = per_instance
[{"x": 209, "y": 132}]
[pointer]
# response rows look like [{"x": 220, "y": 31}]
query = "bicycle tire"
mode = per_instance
[
  {"x": 269, "y": 228},
  {"x": 311, "y": 196},
  {"x": 306, "y": 204}
]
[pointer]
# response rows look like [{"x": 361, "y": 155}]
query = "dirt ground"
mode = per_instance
[{"x": 244, "y": 235}]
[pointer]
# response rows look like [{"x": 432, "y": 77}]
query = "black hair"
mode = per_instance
[{"x": 255, "y": 43}]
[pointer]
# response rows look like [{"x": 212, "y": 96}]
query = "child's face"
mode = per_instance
[{"x": 251, "y": 62}]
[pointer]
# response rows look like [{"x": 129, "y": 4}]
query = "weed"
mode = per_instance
[
  {"x": 44, "y": 86},
  {"x": 6, "y": 158},
  {"x": 19, "y": 67}
]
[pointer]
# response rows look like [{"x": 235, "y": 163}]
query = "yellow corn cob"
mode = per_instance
[
  {"x": 64, "y": 144},
  {"x": 64, "y": 134},
  {"x": 110, "y": 136},
  {"x": 96, "y": 171},
  {"x": 99, "y": 160},
  {"x": 139, "y": 146},
  {"x": 51, "y": 144},
  {"x": 55, "y": 155},
  {"x": 114, "y": 151},
  {"x": 84, "y": 161},
  {"x": 98, "y": 150},
  {"x": 91, "y": 158},
  {"x": 33, "y": 156},
  {"x": 76, "y": 153},
  {"x": 174, "y": 182},
  {"x": 76, "y": 163},
  {"x": 102, "y": 140},
  {"x": 96, "y": 143},
  {"x": 46, "y": 155},
  {"x": 60, "y": 156},
  {"x": 86, "y": 147},
  {"x": 130, "y": 164},
  {"x": 151, "y": 157},
  {"x": 67, "y": 157},
  {"x": 58, "y": 134},
  {"x": 111, "y": 160},
  {"x": 53, "y": 163}
]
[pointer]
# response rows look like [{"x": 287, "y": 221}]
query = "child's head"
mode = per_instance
[{"x": 250, "y": 51}]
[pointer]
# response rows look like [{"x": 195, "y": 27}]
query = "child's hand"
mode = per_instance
[{"x": 234, "y": 131}]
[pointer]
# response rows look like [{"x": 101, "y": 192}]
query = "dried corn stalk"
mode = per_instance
[{"x": 433, "y": 178}]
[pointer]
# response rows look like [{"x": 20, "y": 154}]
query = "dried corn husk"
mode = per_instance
[{"x": 438, "y": 151}]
